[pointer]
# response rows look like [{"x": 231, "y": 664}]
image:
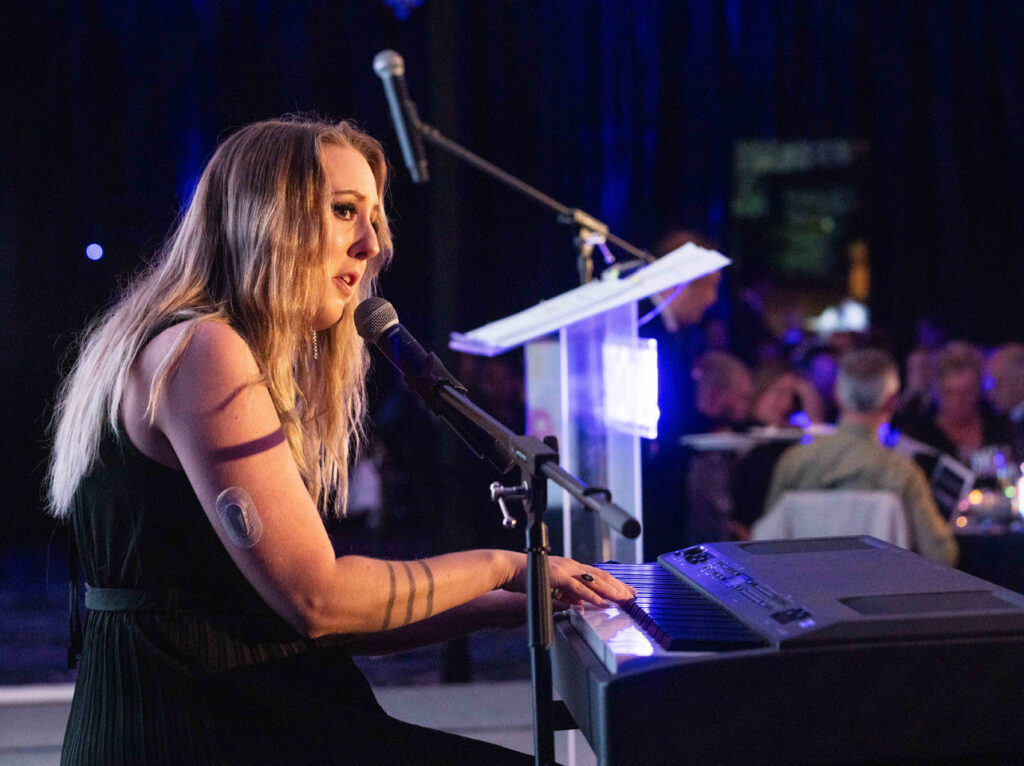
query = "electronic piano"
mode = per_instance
[{"x": 829, "y": 650}]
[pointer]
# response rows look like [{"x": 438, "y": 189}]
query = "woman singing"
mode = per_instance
[{"x": 207, "y": 424}]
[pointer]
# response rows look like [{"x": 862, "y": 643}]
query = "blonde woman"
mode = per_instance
[{"x": 206, "y": 426}]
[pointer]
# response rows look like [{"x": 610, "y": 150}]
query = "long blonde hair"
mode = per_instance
[{"x": 249, "y": 251}]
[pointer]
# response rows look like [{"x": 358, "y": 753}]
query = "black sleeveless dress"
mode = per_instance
[{"x": 183, "y": 663}]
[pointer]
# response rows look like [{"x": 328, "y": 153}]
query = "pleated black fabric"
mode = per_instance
[{"x": 216, "y": 677}]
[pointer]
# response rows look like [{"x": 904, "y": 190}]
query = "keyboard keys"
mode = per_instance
[{"x": 678, "y": 616}]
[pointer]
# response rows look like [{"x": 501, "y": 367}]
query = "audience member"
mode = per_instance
[
  {"x": 780, "y": 392},
  {"x": 853, "y": 458},
  {"x": 915, "y": 401},
  {"x": 680, "y": 341},
  {"x": 1006, "y": 373},
  {"x": 724, "y": 395},
  {"x": 724, "y": 391},
  {"x": 962, "y": 423}
]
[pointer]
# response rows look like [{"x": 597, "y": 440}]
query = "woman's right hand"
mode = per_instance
[{"x": 573, "y": 582}]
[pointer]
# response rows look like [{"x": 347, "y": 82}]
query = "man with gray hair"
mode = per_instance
[{"x": 852, "y": 457}]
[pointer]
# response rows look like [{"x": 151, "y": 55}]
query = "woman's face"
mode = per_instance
[
  {"x": 775, "y": 405},
  {"x": 351, "y": 231},
  {"x": 958, "y": 395}
]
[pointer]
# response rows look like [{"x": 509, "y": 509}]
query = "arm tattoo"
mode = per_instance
[
  {"x": 412, "y": 594},
  {"x": 391, "y": 597},
  {"x": 430, "y": 589}
]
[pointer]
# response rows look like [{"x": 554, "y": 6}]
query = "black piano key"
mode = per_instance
[{"x": 679, "y": 617}]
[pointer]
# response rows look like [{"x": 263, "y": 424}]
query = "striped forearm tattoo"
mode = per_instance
[
  {"x": 412, "y": 593},
  {"x": 410, "y": 604},
  {"x": 391, "y": 597},
  {"x": 430, "y": 589}
]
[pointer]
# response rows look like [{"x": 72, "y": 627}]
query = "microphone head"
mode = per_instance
[
  {"x": 388, "y": 63},
  {"x": 373, "y": 316}
]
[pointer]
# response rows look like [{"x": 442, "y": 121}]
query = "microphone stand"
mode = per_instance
[
  {"x": 537, "y": 462},
  {"x": 589, "y": 230}
]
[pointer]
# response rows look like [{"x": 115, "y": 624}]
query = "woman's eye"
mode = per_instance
[{"x": 344, "y": 210}]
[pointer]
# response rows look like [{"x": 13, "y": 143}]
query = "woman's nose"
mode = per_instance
[{"x": 366, "y": 246}]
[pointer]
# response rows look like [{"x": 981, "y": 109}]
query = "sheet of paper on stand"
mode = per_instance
[{"x": 680, "y": 266}]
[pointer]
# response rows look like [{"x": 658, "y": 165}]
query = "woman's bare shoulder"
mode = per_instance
[
  {"x": 210, "y": 346},
  {"x": 213, "y": 362},
  {"x": 196, "y": 364}
]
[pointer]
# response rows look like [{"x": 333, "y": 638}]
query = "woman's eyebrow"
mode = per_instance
[{"x": 357, "y": 194}]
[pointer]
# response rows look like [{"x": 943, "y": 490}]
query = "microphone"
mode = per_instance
[
  {"x": 390, "y": 68},
  {"x": 377, "y": 322}
]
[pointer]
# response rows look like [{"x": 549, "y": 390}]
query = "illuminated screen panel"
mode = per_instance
[{"x": 631, "y": 387}]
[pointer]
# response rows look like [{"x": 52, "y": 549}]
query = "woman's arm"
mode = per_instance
[
  {"x": 496, "y": 609},
  {"x": 224, "y": 431}
]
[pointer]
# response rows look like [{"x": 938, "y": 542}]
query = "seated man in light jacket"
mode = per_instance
[{"x": 852, "y": 457}]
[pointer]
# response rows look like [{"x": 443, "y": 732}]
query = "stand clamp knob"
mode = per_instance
[{"x": 498, "y": 495}]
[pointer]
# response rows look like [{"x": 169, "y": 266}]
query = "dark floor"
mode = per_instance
[{"x": 34, "y": 634}]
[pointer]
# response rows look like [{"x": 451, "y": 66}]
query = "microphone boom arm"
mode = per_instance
[{"x": 585, "y": 224}]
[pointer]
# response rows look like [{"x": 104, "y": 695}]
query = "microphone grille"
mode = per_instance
[
  {"x": 388, "y": 63},
  {"x": 373, "y": 316}
]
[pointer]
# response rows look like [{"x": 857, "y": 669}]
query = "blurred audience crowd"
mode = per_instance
[
  {"x": 739, "y": 371},
  {"x": 955, "y": 398}
]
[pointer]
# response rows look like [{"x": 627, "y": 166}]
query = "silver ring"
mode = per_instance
[
  {"x": 556, "y": 594},
  {"x": 587, "y": 577}
]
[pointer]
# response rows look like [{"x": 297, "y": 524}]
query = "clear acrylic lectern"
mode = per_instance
[{"x": 592, "y": 382}]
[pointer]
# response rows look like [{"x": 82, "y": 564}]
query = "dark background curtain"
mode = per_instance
[{"x": 627, "y": 110}]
